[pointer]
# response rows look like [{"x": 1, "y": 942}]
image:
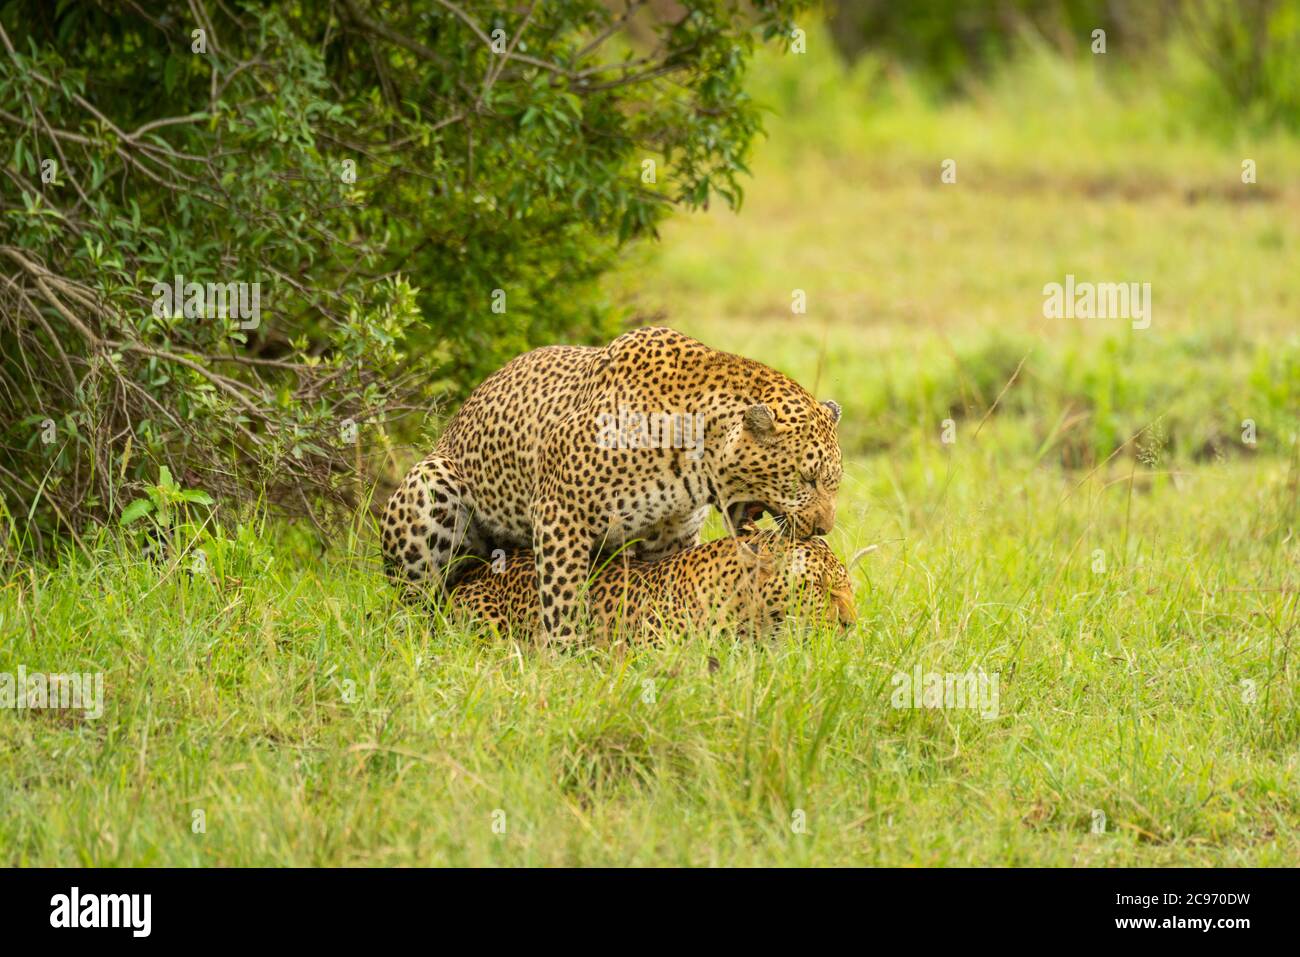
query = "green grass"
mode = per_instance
[
  {"x": 313, "y": 721},
  {"x": 1103, "y": 542}
]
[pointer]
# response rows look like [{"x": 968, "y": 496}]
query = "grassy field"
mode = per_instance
[{"x": 1096, "y": 534}]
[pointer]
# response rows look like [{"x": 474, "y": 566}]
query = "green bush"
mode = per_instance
[
  {"x": 953, "y": 42},
  {"x": 419, "y": 190},
  {"x": 1249, "y": 57},
  {"x": 1228, "y": 59}
]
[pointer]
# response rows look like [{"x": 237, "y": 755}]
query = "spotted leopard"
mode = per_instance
[
  {"x": 527, "y": 463},
  {"x": 750, "y": 583}
]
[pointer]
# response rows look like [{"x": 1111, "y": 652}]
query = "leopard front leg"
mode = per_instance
[{"x": 563, "y": 547}]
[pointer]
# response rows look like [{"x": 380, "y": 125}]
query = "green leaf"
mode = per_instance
[
  {"x": 171, "y": 71},
  {"x": 136, "y": 510}
]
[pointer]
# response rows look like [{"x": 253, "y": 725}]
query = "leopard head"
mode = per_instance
[
  {"x": 802, "y": 578},
  {"x": 782, "y": 456}
]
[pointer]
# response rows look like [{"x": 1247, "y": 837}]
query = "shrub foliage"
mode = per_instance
[{"x": 419, "y": 190}]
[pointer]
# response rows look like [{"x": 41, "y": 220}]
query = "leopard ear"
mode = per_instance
[
  {"x": 834, "y": 408},
  {"x": 760, "y": 424}
]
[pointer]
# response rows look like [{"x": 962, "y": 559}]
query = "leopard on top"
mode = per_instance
[
  {"x": 526, "y": 463},
  {"x": 751, "y": 583}
]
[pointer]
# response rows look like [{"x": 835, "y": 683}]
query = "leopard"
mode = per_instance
[
  {"x": 748, "y": 585},
  {"x": 552, "y": 453}
]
